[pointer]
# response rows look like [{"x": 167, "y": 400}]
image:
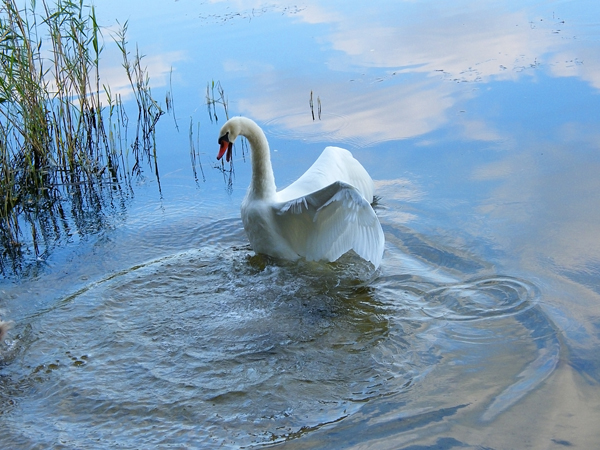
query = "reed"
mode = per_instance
[
  {"x": 312, "y": 106},
  {"x": 195, "y": 152},
  {"x": 58, "y": 141},
  {"x": 149, "y": 111},
  {"x": 213, "y": 100}
]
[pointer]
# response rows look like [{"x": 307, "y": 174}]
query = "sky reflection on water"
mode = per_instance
[
  {"x": 396, "y": 70},
  {"x": 490, "y": 110},
  {"x": 397, "y": 54},
  {"x": 479, "y": 122}
]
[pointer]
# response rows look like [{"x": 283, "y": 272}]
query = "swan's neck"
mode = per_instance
[{"x": 262, "y": 185}]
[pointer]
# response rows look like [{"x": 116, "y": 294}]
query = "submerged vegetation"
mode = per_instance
[{"x": 64, "y": 144}]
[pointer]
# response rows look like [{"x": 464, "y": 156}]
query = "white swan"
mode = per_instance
[{"x": 322, "y": 215}]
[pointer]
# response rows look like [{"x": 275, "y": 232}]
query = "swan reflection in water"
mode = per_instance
[{"x": 321, "y": 216}]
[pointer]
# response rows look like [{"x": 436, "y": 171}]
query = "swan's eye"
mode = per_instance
[
  {"x": 225, "y": 138},
  {"x": 225, "y": 146}
]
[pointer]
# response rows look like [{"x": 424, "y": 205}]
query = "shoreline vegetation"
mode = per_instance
[{"x": 64, "y": 153}]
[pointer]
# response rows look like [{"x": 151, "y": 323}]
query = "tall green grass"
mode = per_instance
[{"x": 58, "y": 141}]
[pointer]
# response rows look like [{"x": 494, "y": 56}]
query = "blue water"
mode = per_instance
[{"x": 153, "y": 324}]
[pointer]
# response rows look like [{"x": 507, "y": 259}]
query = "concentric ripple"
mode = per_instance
[{"x": 486, "y": 298}]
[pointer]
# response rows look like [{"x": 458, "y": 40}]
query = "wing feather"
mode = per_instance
[
  {"x": 334, "y": 164},
  {"x": 327, "y": 223}
]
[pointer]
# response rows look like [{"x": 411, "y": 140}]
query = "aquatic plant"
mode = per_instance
[
  {"x": 58, "y": 141},
  {"x": 312, "y": 106},
  {"x": 149, "y": 111},
  {"x": 212, "y": 101},
  {"x": 194, "y": 151}
]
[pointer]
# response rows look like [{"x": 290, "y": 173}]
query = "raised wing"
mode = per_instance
[
  {"x": 325, "y": 224},
  {"x": 334, "y": 164}
]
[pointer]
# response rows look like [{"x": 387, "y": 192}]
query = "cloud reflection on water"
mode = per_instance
[
  {"x": 158, "y": 67},
  {"x": 406, "y": 70},
  {"x": 524, "y": 198},
  {"x": 551, "y": 198},
  {"x": 391, "y": 112},
  {"x": 400, "y": 70},
  {"x": 582, "y": 63}
]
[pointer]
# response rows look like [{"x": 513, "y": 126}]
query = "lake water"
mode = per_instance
[{"x": 151, "y": 323}]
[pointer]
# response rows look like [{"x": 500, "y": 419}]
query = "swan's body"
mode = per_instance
[{"x": 322, "y": 215}]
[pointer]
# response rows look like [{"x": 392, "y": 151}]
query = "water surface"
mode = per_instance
[{"x": 479, "y": 123}]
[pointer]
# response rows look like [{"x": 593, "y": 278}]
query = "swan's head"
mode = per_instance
[{"x": 229, "y": 132}]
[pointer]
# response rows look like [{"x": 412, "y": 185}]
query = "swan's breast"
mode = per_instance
[{"x": 263, "y": 232}]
